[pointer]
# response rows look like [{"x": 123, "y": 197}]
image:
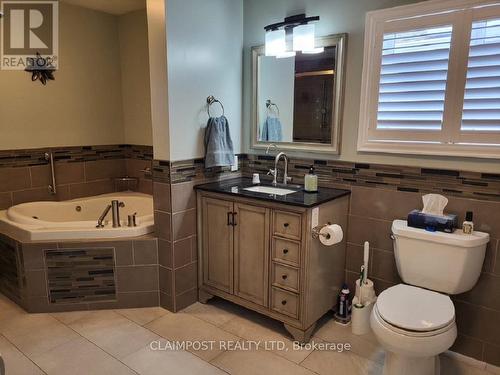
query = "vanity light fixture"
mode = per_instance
[{"x": 294, "y": 34}]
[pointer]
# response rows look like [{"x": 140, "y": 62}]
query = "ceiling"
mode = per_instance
[{"x": 117, "y": 7}]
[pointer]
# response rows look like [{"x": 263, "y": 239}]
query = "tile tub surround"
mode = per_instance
[
  {"x": 175, "y": 219},
  {"x": 80, "y": 172},
  {"x": 129, "y": 278},
  {"x": 381, "y": 194}
]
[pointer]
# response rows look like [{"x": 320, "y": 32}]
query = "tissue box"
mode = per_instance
[{"x": 446, "y": 223}]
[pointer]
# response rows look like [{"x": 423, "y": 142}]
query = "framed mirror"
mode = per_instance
[{"x": 297, "y": 101}]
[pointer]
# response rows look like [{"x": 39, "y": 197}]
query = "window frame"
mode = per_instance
[{"x": 459, "y": 14}]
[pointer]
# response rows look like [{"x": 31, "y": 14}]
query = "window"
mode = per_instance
[{"x": 431, "y": 80}]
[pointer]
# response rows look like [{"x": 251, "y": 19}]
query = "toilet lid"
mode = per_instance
[{"x": 415, "y": 309}]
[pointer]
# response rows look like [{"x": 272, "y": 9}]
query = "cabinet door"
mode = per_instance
[
  {"x": 217, "y": 234},
  {"x": 251, "y": 253}
]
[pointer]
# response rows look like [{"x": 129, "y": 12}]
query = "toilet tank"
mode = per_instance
[{"x": 445, "y": 262}]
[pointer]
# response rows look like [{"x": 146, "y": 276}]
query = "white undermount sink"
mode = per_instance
[{"x": 270, "y": 190}]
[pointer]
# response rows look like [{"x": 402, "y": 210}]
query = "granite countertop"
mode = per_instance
[{"x": 300, "y": 198}]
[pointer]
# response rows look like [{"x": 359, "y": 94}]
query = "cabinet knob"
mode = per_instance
[
  {"x": 283, "y": 302},
  {"x": 284, "y": 277},
  {"x": 285, "y": 251},
  {"x": 286, "y": 225}
]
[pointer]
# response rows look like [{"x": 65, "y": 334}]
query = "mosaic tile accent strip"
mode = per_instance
[
  {"x": 161, "y": 171},
  {"x": 9, "y": 279},
  {"x": 81, "y": 275},
  {"x": 31, "y": 157},
  {"x": 194, "y": 170},
  {"x": 332, "y": 173}
]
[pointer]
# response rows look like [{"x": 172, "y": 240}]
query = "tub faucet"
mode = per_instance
[
  {"x": 103, "y": 216},
  {"x": 116, "y": 212}
]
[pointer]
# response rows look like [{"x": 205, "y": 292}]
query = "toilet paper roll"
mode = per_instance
[{"x": 331, "y": 235}]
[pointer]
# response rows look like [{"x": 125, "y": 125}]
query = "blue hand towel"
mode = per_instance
[
  {"x": 271, "y": 131},
  {"x": 219, "y": 151}
]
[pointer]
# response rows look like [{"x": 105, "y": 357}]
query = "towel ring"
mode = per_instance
[
  {"x": 270, "y": 104},
  {"x": 211, "y": 100}
]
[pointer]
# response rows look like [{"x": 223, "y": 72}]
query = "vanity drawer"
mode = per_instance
[
  {"x": 285, "y": 302},
  {"x": 287, "y": 224},
  {"x": 285, "y": 277},
  {"x": 287, "y": 251}
]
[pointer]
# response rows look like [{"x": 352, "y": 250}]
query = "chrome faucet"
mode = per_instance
[
  {"x": 116, "y": 212},
  {"x": 115, "y": 206},
  {"x": 103, "y": 216},
  {"x": 286, "y": 179}
]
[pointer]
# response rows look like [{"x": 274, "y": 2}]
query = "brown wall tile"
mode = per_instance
[
  {"x": 468, "y": 346},
  {"x": 377, "y": 232},
  {"x": 492, "y": 354},
  {"x": 486, "y": 293},
  {"x": 485, "y": 213},
  {"x": 14, "y": 179},
  {"x": 36, "y": 284},
  {"x": 40, "y": 194},
  {"x": 165, "y": 253},
  {"x": 135, "y": 167},
  {"x": 145, "y": 252},
  {"x": 183, "y": 196},
  {"x": 137, "y": 278},
  {"x": 382, "y": 203},
  {"x": 161, "y": 196},
  {"x": 5, "y": 200},
  {"x": 183, "y": 251},
  {"x": 66, "y": 173},
  {"x": 167, "y": 301},
  {"x": 184, "y": 224},
  {"x": 102, "y": 169},
  {"x": 163, "y": 225},
  {"x": 166, "y": 281},
  {"x": 186, "y": 278},
  {"x": 186, "y": 299},
  {"x": 383, "y": 266},
  {"x": 89, "y": 189}
]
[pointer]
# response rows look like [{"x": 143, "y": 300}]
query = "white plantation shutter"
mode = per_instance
[
  {"x": 481, "y": 110},
  {"x": 431, "y": 79},
  {"x": 413, "y": 76}
]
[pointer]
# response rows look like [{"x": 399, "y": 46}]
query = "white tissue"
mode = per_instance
[
  {"x": 331, "y": 235},
  {"x": 434, "y": 204}
]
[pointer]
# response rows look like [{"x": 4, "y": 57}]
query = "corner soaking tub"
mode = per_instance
[{"x": 77, "y": 219}]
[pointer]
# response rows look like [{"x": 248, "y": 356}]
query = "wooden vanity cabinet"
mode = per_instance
[{"x": 262, "y": 255}]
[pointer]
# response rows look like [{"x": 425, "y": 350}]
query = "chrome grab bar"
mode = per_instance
[
  {"x": 49, "y": 156},
  {"x": 103, "y": 216}
]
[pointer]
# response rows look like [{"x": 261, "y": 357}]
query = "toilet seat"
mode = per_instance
[{"x": 414, "y": 311}]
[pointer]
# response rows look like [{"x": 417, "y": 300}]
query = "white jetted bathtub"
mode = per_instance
[{"x": 77, "y": 219}]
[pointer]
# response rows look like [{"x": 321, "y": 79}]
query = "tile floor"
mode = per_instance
[{"x": 110, "y": 342}]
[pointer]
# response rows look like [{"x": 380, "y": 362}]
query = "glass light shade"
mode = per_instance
[
  {"x": 303, "y": 37},
  {"x": 275, "y": 42}
]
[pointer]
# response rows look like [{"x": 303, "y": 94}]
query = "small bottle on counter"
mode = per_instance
[
  {"x": 311, "y": 181},
  {"x": 468, "y": 225}
]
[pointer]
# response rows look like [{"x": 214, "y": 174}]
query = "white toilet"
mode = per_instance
[{"x": 415, "y": 323}]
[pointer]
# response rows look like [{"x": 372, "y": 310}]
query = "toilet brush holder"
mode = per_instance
[{"x": 360, "y": 321}]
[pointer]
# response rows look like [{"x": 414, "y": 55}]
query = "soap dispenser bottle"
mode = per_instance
[
  {"x": 311, "y": 181},
  {"x": 468, "y": 225}
]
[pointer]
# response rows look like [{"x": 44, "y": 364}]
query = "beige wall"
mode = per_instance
[
  {"x": 338, "y": 16},
  {"x": 84, "y": 105},
  {"x": 136, "y": 94}
]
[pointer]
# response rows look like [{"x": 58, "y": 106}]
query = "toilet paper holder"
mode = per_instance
[{"x": 316, "y": 231}]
